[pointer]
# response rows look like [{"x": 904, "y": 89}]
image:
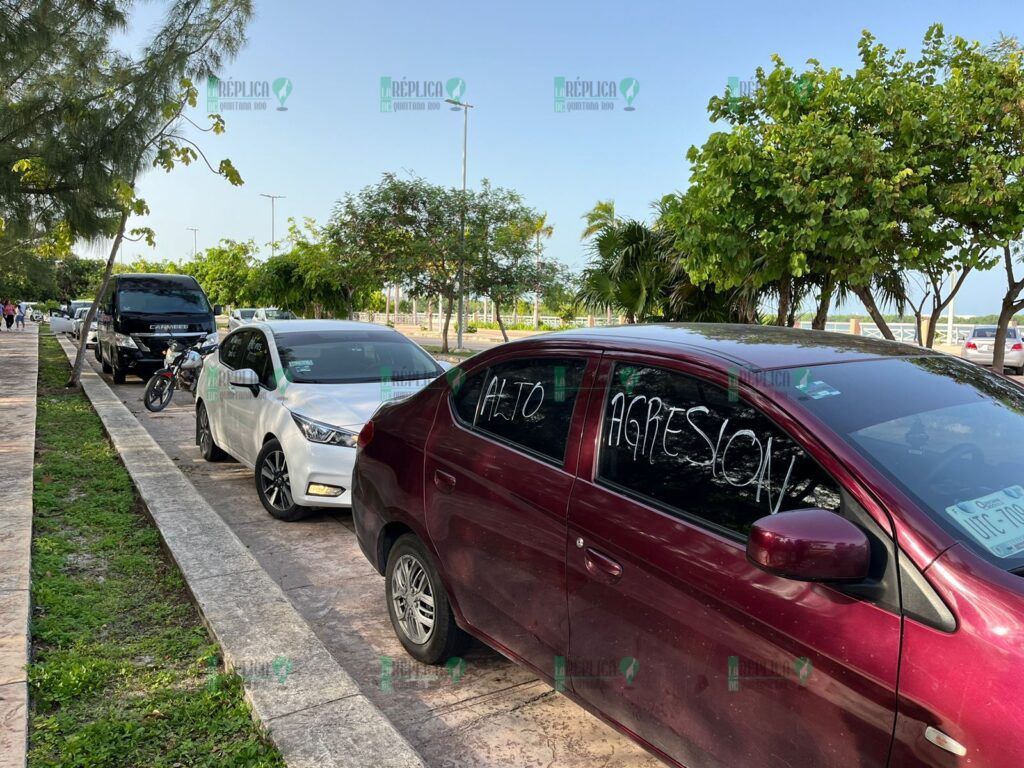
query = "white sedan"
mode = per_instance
[{"x": 289, "y": 398}]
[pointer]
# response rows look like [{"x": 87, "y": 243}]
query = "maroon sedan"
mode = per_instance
[{"x": 740, "y": 546}]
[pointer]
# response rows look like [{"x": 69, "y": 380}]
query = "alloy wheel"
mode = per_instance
[
  {"x": 412, "y": 597},
  {"x": 274, "y": 481},
  {"x": 205, "y": 437}
]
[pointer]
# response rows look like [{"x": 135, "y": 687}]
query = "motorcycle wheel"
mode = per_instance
[{"x": 159, "y": 391}]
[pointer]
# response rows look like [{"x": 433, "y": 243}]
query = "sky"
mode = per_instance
[{"x": 333, "y": 136}]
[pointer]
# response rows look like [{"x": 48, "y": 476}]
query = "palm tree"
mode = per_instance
[
  {"x": 541, "y": 228},
  {"x": 602, "y": 215}
]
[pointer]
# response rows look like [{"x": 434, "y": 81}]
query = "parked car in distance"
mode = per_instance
[
  {"x": 78, "y": 324},
  {"x": 979, "y": 347},
  {"x": 36, "y": 316},
  {"x": 265, "y": 314},
  {"x": 739, "y": 545},
  {"x": 288, "y": 398},
  {"x": 240, "y": 317},
  {"x": 141, "y": 314}
]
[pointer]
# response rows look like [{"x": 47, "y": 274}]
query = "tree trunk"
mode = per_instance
[
  {"x": 939, "y": 305},
  {"x": 387, "y": 304},
  {"x": 447, "y": 322},
  {"x": 824, "y": 302},
  {"x": 785, "y": 297},
  {"x": 430, "y": 315},
  {"x": 501, "y": 323},
  {"x": 864, "y": 294},
  {"x": 1005, "y": 316},
  {"x": 76, "y": 370}
]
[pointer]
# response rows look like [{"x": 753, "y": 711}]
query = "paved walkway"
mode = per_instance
[
  {"x": 312, "y": 708},
  {"x": 19, "y": 353},
  {"x": 490, "y": 713}
]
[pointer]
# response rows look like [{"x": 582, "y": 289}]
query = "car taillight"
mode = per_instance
[
  {"x": 1018, "y": 347},
  {"x": 971, "y": 345},
  {"x": 365, "y": 435}
]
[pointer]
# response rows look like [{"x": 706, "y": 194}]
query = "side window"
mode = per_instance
[
  {"x": 691, "y": 446},
  {"x": 257, "y": 357},
  {"x": 233, "y": 348},
  {"x": 466, "y": 394},
  {"x": 529, "y": 403}
]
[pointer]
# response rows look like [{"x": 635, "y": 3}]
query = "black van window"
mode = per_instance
[
  {"x": 164, "y": 297},
  {"x": 689, "y": 445},
  {"x": 529, "y": 403}
]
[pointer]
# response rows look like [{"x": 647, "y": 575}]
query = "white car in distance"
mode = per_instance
[
  {"x": 240, "y": 317},
  {"x": 288, "y": 398}
]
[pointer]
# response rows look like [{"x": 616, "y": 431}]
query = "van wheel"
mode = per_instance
[
  {"x": 118, "y": 373},
  {"x": 274, "y": 485},
  {"x": 418, "y": 604}
]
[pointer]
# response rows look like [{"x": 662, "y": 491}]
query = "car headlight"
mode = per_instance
[
  {"x": 212, "y": 338},
  {"x": 318, "y": 432},
  {"x": 124, "y": 340}
]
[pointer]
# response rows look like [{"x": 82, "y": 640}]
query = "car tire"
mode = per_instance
[
  {"x": 117, "y": 373},
  {"x": 103, "y": 361},
  {"x": 410, "y": 565},
  {"x": 273, "y": 484},
  {"x": 204, "y": 436}
]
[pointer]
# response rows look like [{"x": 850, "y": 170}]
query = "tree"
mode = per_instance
[
  {"x": 225, "y": 271},
  {"x": 82, "y": 120},
  {"x": 541, "y": 228},
  {"x": 602, "y": 215}
]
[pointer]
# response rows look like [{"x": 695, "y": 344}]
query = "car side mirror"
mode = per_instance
[
  {"x": 810, "y": 545},
  {"x": 245, "y": 377},
  {"x": 218, "y": 309}
]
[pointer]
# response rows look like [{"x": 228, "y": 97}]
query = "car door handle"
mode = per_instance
[
  {"x": 601, "y": 565},
  {"x": 443, "y": 480}
]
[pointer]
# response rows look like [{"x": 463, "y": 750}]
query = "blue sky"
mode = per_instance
[{"x": 334, "y": 138}]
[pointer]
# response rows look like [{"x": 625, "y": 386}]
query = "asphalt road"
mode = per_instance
[{"x": 492, "y": 714}]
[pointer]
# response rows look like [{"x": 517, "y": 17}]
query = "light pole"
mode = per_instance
[
  {"x": 273, "y": 238},
  {"x": 195, "y": 241},
  {"x": 462, "y": 249}
]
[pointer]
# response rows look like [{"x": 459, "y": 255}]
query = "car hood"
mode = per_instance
[{"x": 345, "y": 405}]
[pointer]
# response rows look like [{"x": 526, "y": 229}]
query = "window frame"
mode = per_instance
[
  {"x": 590, "y": 363},
  {"x": 699, "y": 374}
]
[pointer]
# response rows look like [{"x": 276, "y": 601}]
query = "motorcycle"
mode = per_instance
[{"x": 182, "y": 364}]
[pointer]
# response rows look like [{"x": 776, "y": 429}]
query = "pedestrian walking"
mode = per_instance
[
  {"x": 9, "y": 314},
  {"x": 19, "y": 316}
]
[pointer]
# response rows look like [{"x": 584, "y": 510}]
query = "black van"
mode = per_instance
[{"x": 140, "y": 314}]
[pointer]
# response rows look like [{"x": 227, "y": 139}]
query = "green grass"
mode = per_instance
[{"x": 123, "y": 673}]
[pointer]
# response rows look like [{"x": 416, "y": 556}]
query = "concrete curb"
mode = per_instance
[
  {"x": 19, "y": 361},
  {"x": 312, "y": 709}
]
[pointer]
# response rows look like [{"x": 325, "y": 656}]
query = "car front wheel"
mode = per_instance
[
  {"x": 273, "y": 484},
  {"x": 421, "y": 614}
]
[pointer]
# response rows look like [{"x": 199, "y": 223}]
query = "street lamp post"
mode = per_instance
[
  {"x": 462, "y": 249},
  {"x": 273, "y": 238},
  {"x": 195, "y": 241}
]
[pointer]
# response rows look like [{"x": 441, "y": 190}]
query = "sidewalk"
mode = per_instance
[
  {"x": 315, "y": 712},
  {"x": 19, "y": 355}
]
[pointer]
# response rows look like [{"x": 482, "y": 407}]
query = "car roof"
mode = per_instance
[
  {"x": 292, "y": 326},
  {"x": 754, "y": 347},
  {"x": 163, "y": 277}
]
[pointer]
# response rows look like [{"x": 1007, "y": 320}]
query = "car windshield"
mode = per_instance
[
  {"x": 246, "y": 314},
  {"x": 279, "y": 314},
  {"x": 947, "y": 432},
  {"x": 990, "y": 333},
  {"x": 348, "y": 357},
  {"x": 162, "y": 297}
]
